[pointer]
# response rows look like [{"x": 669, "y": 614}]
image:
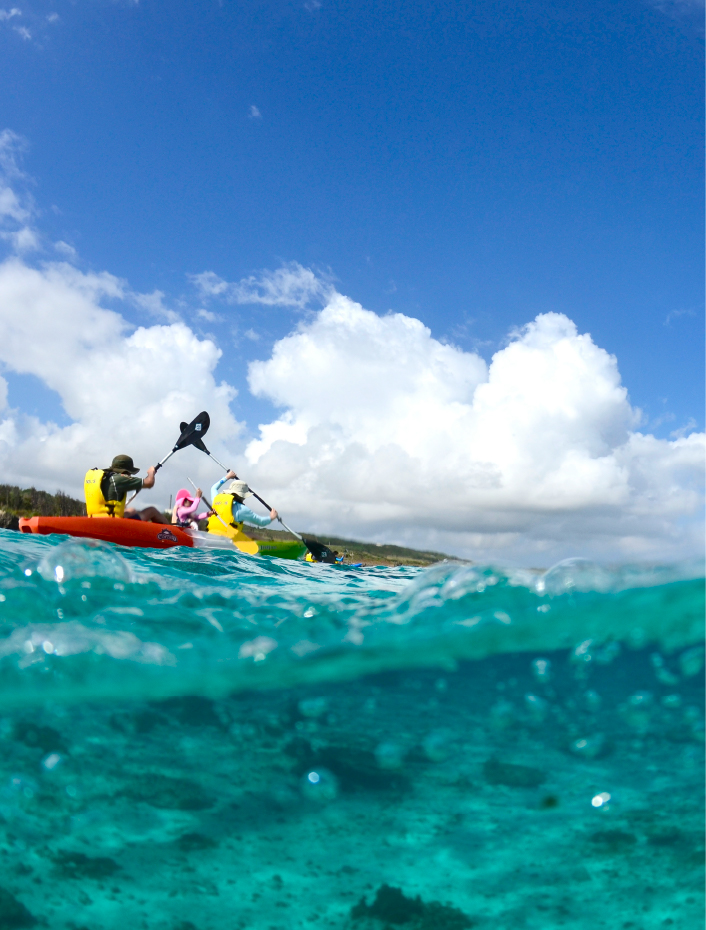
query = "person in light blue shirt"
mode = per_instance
[
  {"x": 237, "y": 491},
  {"x": 215, "y": 488}
]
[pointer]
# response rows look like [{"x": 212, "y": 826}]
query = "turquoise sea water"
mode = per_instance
[{"x": 201, "y": 739}]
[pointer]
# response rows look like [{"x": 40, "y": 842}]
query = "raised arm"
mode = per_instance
[
  {"x": 186, "y": 511},
  {"x": 219, "y": 484},
  {"x": 148, "y": 481}
]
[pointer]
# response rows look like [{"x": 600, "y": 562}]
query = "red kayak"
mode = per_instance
[{"x": 111, "y": 529}]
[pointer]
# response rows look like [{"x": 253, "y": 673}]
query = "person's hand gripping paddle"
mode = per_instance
[
  {"x": 208, "y": 503},
  {"x": 190, "y": 435}
]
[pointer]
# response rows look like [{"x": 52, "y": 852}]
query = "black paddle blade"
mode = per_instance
[
  {"x": 320, "y": 552},
  {"x": 200, "y": 445},
  {"x": 192, "y": 433}
]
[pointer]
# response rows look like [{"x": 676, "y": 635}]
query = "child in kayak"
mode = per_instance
[{"x": 185, "y": 507}]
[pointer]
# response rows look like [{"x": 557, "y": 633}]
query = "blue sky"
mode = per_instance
[{"x": 469, "y": 165}]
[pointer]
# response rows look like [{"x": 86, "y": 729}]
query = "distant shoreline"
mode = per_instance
[
  {"x": 369, "y": 553},
  {"x": 16, "y": 502}
]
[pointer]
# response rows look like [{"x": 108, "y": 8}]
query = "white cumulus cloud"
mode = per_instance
[
  {"x": 385, "y": 430},
  {"x": 125, "y": 389}
]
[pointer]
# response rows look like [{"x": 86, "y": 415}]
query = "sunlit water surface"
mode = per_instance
[{"x": 198, "y": 740}]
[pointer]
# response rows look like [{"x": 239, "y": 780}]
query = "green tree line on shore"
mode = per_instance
[{"x": 29, "y": 502}]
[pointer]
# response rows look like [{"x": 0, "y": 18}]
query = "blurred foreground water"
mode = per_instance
[{"x": 195, "y": 740}]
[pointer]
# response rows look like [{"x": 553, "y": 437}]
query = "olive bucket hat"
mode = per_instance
[{"x": 123, "y": 463}]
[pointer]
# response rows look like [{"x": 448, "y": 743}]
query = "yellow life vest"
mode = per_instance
[
  {"x": 223, "y": 505},
  {"x": 96, "y": 504}
]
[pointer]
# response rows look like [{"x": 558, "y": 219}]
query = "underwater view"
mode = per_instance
[{"x": 196, "y": 740}]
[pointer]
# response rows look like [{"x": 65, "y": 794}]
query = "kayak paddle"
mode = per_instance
[
  {"x": 320, "y": 552},
  {"x": 208, "y": 503},
  {"x": 190, "y": 435}
]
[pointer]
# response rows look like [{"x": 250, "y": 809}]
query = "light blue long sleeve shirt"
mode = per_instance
[
  {"x": 241, "y": 513},
  {"x": 215, "y": 488}
]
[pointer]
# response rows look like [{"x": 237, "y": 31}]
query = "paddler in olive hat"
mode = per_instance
[{"x": 106, "y": 491}]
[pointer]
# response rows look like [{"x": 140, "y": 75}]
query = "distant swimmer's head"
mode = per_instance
[
  {"x": 123, "y": 463},
  {"x": 238, "y": 489}
]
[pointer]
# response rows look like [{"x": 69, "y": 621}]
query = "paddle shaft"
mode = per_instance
[
  {"x": 156, "y": 469},
  {"x": 208, "y": 504},
  {"x": 258, "y": 498}
]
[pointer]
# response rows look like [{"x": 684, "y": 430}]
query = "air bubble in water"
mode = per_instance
[
  {"x": 662, "y": 673},
  {"x": 574, "y": 575},
  {"x": 389, "y": 755},
  {"x": 50, "y": 762},
  {"x": 313, "y": 707},
  {"x": 436, "y": 746},
  {"x": 319, "y": 784},
  {"x": 694, "y": 718},
  {"x": 536, "y": 707},
  {"x": 581, "y": 658},
  {"x": 692, "y": 713},
  {"x": 24, "y": 786},
  {"x": 692, "y": 661},
  {"x": 638, "y": 710},
  {"x": 85, "y": 558},
  {"x": 608, "y": 653},
  {"x": 502, "y": 714},
  {"x": 589, "y": 747},
  {"x": 542, "y": 669},
  {"x": 592, "y": 700},
  {"x": 641, "y": 699}
]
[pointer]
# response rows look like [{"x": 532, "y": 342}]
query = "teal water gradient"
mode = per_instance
[
  {"x": 86, "y": 620},
  {"x": 201, "y": 739}
]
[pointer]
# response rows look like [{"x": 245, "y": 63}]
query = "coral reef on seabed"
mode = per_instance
[{"x": 481, "y": 797}]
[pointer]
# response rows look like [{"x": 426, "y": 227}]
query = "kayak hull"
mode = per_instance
[
  {"x": 137, "y": 533},
  {"x": 277, "y": 548},
  {"x": 280, "y": 548},
  {"x": 111, "y": 529}
]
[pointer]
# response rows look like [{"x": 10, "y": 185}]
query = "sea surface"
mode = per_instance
[{"x": 197, "y": 740}]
